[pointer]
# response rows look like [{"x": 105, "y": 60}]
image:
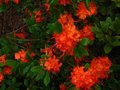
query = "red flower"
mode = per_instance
[
  {"x": 21, "y": 55},
  {"x": 101, "y": 65},
  {"x": 86, "y": 79},
  {"x": 93, "y": 9},
  {"x": 52, "y": 64},
  {"x": 20, "y": 35},
  {"x": 68, "y": 38},
  {"x": 1, "y": 77},
  {"x": 62, "y": 87},
  {"x": 78, "y": 76},
  {"x": 87, "y": 33},
  {"x": 3, "y": 59},
  {"x": 47, "y": 6},
  {"x": 16, "y": 1},
  {"x": 7, "y": 1},
  {"x": 32, "y": 54},
  {"x": 7, "y": 70},
  {"x": 64, "y": 2},
  {"x": 38, "y": 16},
  {"x": 83, "y": 12}
]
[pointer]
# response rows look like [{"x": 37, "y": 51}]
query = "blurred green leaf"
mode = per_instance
[
  {"x": 53, "y": 2},
  {"x": 85, "y": 41},
  {"x": 40, "y": 75},
  {"x": 87, "y": 3},
  {"x": 46, "y": 79},
  {"x": 26, "y": 69},
  {"x": 87, "y": 65},
  {"x": 2, "y": 8},
  {"x": 29, "y": 21},
  {"x": 36, "y": 69},
  {"x": 12, "y": 62},
  {"x": 1, "y": 64},
  {"x": 107, "y": 48},
  {"x": 55, "y": 27},
  {"x": 79, "y": 51},
  {"x": 97, "y": 87}
]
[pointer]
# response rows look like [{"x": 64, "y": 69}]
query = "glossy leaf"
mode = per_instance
[{"x": 46, "y": 79}]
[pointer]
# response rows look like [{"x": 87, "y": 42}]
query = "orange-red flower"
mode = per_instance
[
  {"x": 68, "y": 38},
  {"x": 38, "y": 16},
  {"x": 64, "y": 2},
  {"x": 62, "y": 87},
  {"x": 1, "y": 77},
  {"x": 21, "y": 55},
  {"x": 7, "y": 70},
  {"x": 16, "y": 1},
  {"x": 3, "y": 59},
  {"x": 47, "y": 6},
  {"x": 20, "y": 35},
  {"x": 84, "y": 80},
  {"x": 87, "y": 33},
  {"x": 7, "y": 1},
  {"x": 52, "y": 64},
  {"x": 82, "y": 12},
  {"x": 101, "y": 65}
]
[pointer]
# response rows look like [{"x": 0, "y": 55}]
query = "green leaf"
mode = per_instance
[
  {"x": 79, "y": 51},
  {"x": 107, "y": 48},
  {"x": 12, "y": 62},
  {"x": 36, "y": 69},
  {"x": 96, "y": 29},
  {"x": 29, "y": 21},
  {"x": 55, "y": 27},
  {"x": 87, "y": 2},
  {"x": 3, "y": 86},
  {"x": 53, "y": 2},
  {"x": 2, "y": 7},
  {"x": 104, "y": 26},
  {"x": 46, "y": 79},
  {"x": 26, "y": 69},
  {"x": 85, "y": 41},
  {"x": 115, "y": 41},
  {"x": 40, "y": 75},
  {"x": 87, "y": 65},
  {"x": 115, "y": 67},
  {"x": 33, "y": 28},
  {"x": 1, "y": 64},
  {"x": 97, "y": 87},
  {"x": 26, "y": 82}
]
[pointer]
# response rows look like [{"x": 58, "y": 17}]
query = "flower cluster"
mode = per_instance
[
  {"x": 64, "y": 2},
  {"x": 6, "y": 70},
  {"x": 87, "y": 33},
  {"x": 68, "y": 38},
  {"x": 82, "y": 12},
  {"x": 38, "y": 16},
  {"x": 51, "y": 64},
  {"x": 21, "y": 55},
  {"x": 3, "y": 59},
  {"x": 86, "y": 79}
]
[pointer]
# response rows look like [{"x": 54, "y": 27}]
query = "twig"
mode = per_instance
[
  {"x": 16, "y": 30},
  {"x": 24, "y": 39}
]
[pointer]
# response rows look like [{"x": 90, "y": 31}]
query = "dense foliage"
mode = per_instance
[{"x": 59, "y": 44}]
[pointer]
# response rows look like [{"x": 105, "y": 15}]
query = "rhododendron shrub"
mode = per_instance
[{"x": 59, "y": 45}]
